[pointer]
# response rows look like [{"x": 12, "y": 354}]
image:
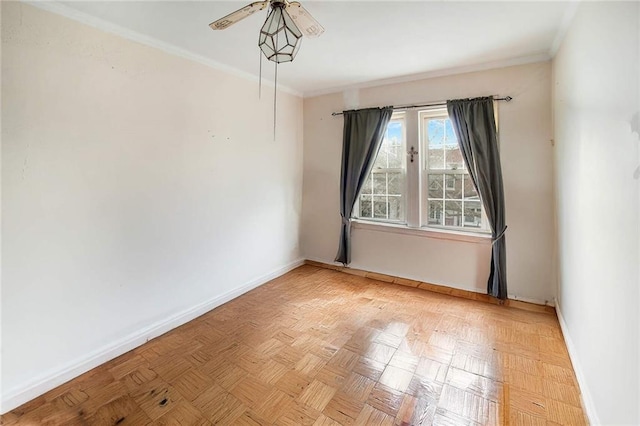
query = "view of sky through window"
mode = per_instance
[
  {"x": 441, "y": 133},
  {"x": 394, "y": 130}
]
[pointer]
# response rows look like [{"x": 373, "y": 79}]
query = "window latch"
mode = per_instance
[{"x": 412, "y": 152}]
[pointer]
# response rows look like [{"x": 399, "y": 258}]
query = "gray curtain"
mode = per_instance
[
  {"x": 363, "y": 133},
  {"x": 474, "y": 123}
]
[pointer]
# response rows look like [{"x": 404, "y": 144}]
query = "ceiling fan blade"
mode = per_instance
[
  {"x": 304, "y": 21},
  {"x": 238, "y": 15}
]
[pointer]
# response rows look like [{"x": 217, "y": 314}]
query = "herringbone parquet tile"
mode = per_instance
[{"x": 320, "y": 347}]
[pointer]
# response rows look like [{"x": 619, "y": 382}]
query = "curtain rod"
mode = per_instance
[{"x": 506, "y": 99}]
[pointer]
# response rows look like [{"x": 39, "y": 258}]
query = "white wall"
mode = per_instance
[
  {"x": 596, "y": 105},
  {"x": 139, "y": 189},
  {"x": 526, "y": 153}
]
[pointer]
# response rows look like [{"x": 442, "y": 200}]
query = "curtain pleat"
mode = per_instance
[
  {"x": 475, "y": 126},
  {"x": 363, "y": 133}
]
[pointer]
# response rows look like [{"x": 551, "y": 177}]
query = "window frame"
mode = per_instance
[
  {"x": 415, "y": 194},
  {"x": 425, "y": 171},
  {"x": 396, "y": 116}
]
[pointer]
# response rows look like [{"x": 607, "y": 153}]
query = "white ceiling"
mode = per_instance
[{"x": 365, "y": 41}]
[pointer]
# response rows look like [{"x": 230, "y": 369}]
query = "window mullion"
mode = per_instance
[
  {"x": 413, "y": 191},
  {"x": 386, "y": 191},
  {"x": 462, "y": 192}
]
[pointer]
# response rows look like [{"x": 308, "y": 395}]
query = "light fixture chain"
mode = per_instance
[
  {"x": 275, "y": 102},
  {"x": 260, "y": 76},
  {"x": 275, "y": 83}
]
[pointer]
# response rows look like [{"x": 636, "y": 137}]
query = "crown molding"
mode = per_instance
[
  {"x": 54, "y": 6},
  {"x": 541, "y": 57}
]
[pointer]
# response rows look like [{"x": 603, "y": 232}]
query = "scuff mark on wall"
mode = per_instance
[
  {"x": 635, "y": 129},
  {"x": 25, "y": 164}
]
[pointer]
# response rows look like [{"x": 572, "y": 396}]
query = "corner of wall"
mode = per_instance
[{"x": 587, "y": 400}]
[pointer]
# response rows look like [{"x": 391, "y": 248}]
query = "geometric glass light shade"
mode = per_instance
[{"x": 279, "y": 36}]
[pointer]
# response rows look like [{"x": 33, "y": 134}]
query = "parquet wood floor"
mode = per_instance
[{"x": 320, "y": 347}]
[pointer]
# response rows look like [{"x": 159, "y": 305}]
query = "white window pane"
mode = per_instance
[
  {"x": 394, "y": 156},
  {"x": 469, "y": 191},
  {"x": 453, "y": 187},
  {"x": 396, "y": 183},
  {"x": 435, "y": 213},
  {"x": 449, "y": 133},
  {"x": 435, "y": 133},
  {"x": 394, "y": 132},
  {"x": 379, "y": 183},
  {"x": 453, "y": 213},
  {"x": 365, "y": 206},
  {"x": 385, "y": 188},
  {"x": 391, "y": 150},
  {"x": 381, "y": 159},
  {"x": 453, "y": 155},
  {"x": 472, "y": 214},
  {"x": 435, "y": 142},
  {"x": 436, "y": 186},
  {"x": 395, "y": 208},
  {"x": 453, "y": 158},
  {"x": 380, "y": 207},
  {"x": 366, "y": 188},
  {"x": 449, "y": 137},
  {"x": 436, "y": 159}
]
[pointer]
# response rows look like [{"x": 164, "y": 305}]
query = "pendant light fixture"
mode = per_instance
[
  {"x": 279, "y": 41},
  {"x": 280, "y": 37}
]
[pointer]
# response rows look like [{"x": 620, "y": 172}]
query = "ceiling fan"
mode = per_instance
[{"x": 281, "y": 32}]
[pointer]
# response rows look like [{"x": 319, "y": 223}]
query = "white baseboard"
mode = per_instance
[
  {"x": 530, "y": 300},
  {"x": 52, "y": 379},
  {"x": 587, "y": 400},
  {"x": 457, "y": 287}
]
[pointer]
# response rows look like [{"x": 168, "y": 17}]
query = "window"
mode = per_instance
[
  {"x": 433, "y": 191},
  {"x": 383, "y": 195},
  {"x": 451, "y": 200}
]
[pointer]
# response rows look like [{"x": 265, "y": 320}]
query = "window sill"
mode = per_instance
[{"x": 436, "y": 233}]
